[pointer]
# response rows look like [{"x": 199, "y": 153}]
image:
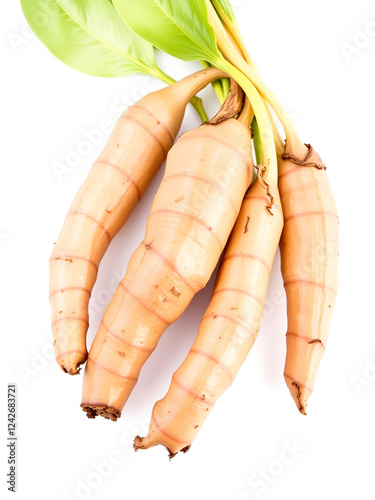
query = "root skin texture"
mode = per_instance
[
  {"x": 208, "y": 171},
  {"x": 228, "y": 329},
  {"x": 135, "y": 151},
  {"x": 309, "y": 264}
]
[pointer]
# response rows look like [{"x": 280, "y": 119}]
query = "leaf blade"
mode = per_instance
[
  {"x": 89, "y": 36},
  {"x": 178, "y": 27}
]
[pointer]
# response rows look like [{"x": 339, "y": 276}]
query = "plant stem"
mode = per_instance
[
  {"x": 195, "y": 101},
  {"x": 257, "y": 142},
  {"x": 247, "y": 114},
  {"x": 233, "y": 32},
  {"x": 279, "y": 143},
  {"x": 235, "y": 35},
  {"x": 216, "y": 85},
  {"x": 265, "y": 129},
  {"x": 229, "y": 50},
  {"x": 197, "y": 104},
  {"x": 226, "y": 86}
]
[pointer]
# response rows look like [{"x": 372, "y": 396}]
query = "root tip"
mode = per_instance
[
  {"x": 71, "y": 370},
  {"x": 301, "y": 405},
  {"x": 137, "y": 444},
  {"x": 107, "y": 412},
  {"x": 141, "y": 444},
  {"x": 72, "y": 363},
  {"x": 172, "y": 454}
]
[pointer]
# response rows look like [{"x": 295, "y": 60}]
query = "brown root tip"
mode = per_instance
[
  {"x": 139, "y": 444},
  {"x": 72, "y": 362},
  {"x": 173, "y": 454},
  {"x": 107, "y": 412},
  {"x": 301, "y": 405},
  {"x": 71, "y": 370}
]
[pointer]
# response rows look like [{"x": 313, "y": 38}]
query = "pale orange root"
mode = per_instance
[
  {"x": 309, "y": 262},
  {"x": 135, "y": 151},
  {"x": 228, "y": 329},
  {"x": 208, "y": 171}
]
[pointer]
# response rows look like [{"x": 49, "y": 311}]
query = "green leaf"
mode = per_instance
[
  {"x": 178, "y": 27},
  {"x": 226, "y": 7},
  {"x": 89, "y": 36}
]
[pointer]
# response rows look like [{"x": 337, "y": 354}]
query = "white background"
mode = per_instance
[{"x": 46, "y": 108}]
